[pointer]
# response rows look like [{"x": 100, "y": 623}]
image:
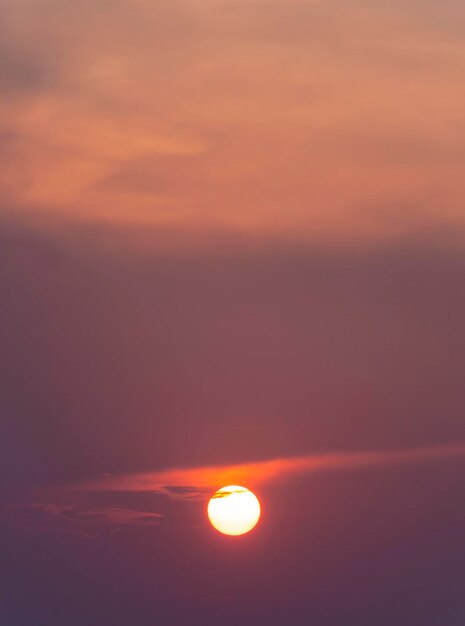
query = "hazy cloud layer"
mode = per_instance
[
  {"x": 232, "y": 230},
  {"x": 138, "y": 362},
  {"x": 323, "y": 121}
]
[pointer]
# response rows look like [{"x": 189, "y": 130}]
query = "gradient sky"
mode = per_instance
[{"x": 232, "y": 247}]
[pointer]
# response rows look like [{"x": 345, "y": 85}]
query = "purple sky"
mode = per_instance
[{"x": 232, "y": 248}]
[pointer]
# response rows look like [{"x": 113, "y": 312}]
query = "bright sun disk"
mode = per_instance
[{"x": 233, "y": 510}]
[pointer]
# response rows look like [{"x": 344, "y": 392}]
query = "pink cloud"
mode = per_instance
[{"x": 303, "y": 123}]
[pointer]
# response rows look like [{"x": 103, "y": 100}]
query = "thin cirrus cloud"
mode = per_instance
[
  {"x": 72, "y": 511},
  {"x": 191, "y": 483},
  {"x": 88, "y": 520}
]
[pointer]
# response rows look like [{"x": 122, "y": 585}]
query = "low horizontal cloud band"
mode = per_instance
[{"x": 171, "y": 481}]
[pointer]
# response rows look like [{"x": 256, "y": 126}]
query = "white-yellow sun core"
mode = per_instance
[{"x": 233, "y": 510}]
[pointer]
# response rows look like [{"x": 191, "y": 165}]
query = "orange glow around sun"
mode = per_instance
[{"x": 234, "y": 510}]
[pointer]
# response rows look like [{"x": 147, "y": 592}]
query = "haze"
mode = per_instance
[{"x": 232, "y": 248}]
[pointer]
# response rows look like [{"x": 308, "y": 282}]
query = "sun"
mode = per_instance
[{"x": 234, "y": 510}]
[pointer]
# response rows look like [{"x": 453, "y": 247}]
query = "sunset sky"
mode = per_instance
[{"x": 232, "y": 251}]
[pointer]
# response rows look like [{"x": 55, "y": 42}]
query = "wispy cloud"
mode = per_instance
[
  {"x": 192, "y": 482},
  {"x": 88, "y": 510},
  {"x": 90, "y": 520}
]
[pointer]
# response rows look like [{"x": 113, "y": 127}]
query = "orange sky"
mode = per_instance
[
  {"x": 232, "y": 251},
  {"x": 317, "y": 121}
]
